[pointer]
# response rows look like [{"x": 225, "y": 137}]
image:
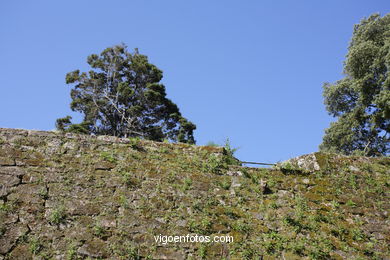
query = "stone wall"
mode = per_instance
[{"x": 66, "y": 196}]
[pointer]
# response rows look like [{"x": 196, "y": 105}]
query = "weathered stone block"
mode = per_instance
[
  {"x": 6, "y": 161},
  {"x": 13, "y": 233},
  {"x": 12, "y": 170},
  {"x": 93, "y": 248}
]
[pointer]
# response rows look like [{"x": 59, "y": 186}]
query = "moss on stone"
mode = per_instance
[{"x": 117, "y": 194}]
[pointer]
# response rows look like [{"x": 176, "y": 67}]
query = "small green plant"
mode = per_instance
[
  {"x": 318, "y": 253},
  {"x": 214, "y": 164},
  {"x": 246, "y": 173},
  {"x": 5, "y": 207},
  {"x": 187, "y": 184},
  {"x": 290, "y": 168},
  {"x": 273, "y": 205},
  {"x": 353, "y": 181},
  {"x": 248, "y": 253},
  {"x": 350, "y": 203},
  {"x": 108, "y": 156},
  {"x": 287, "y": 166},
  {"x": 132, "y": 252},
  {"x": 198, "y": 206},
  {"x": 359, "y": 153},
  {"x": 228, "y": 147},
  {"x": 335, "y": 204},
  {"x": 212, "y": 144},
  {"x": 43, "y": 193},
  {"x": 163, "y": 150},
  {"x": 298, "y": 226},
  {"x": 200, "y": 227},
  {"x": 358, "y": 235},
  {"x": 21, "y": 141},
  {"x": 229, "y": 157},
  {"x": 202, "y": 251},
  {"x": 241, "y": 226},
  {"x": 128, "y": 179},
  {"x": 35, "y": 245},
  {"x": 205, "y": 224},
  {"x": 231, "y": 214},
  {"x": 211, "y": 201},
  {"x": 226, "y": 184},
  {"x": 98, "y": 230},
  {"x": 135, "y": 143},
  {"x": 298, "y": 247},
  {"x": 123, "y": 201},
  {"x": 71, "y": 253},
  {"x": 301, "y": 207},
  {"x": 274, "y": 242},
  {"x": 171, "y": 177},
  {"x": 322, "y": 218},
  {"x": 369, "y": 249},
  {"x": 57, "y": 216},
  {"x": 340, "y": 232}
]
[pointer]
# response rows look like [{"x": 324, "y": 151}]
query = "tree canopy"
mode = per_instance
[
  {"x": 122, "y": 96},
  {"x": 361, "y": 100}
]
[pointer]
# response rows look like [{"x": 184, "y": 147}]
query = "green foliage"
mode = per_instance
[
  {"x": 187, "y": 184},
  {"x": 297, "y": 225},
  {"x": 108, "y": 156},
  {"x": 57, "y": 216},
  {"x": 21, "y": 141},
  {"x": 202, "y": 227},
  {"x": 213, "y": 164},
  {"x": 289, "y": 168},
  {"x": 216, "y": 164},
  {"x": 212, "y": 144},
  {"x": 129, "y": 179},
  {"x": 43, "y": 193},
  {"x": 71, "y": 253},
  {"x": 225, "y": 184},
  {"x": 98, "y": 230},
  {"x": 301, "y": 206},
  {"x": 229, "y": 150},
  {"x": 320, "y": 249},
  {"x": 358, "y": 235},
  {"x": 350, "y": 203},
  {"x": 241, "y": 226},
  {"x": 65, "y": 125},
  {"x": 5, "y": 208},
  {"x": 124, "y": 202},
  {"x": 132, "y": 253},
  {"x": 202, "y": 251},
  {"x": 135, "y": 143},
  {"x": 274, "y": 242},
  {"x": 122, "y": 96},
  {"x": 248, "y": 252},
  {"x": 361, "y": 100},
  {"x": 35, "y": 245}
]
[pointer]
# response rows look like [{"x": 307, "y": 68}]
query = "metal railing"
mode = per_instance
[{"x": 258, "y": 163}]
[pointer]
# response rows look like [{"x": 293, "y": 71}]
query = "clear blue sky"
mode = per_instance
[{"x": 248, "y": 70}]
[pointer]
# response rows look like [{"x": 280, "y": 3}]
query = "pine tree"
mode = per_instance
[{"x": 122, "y": 96}]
